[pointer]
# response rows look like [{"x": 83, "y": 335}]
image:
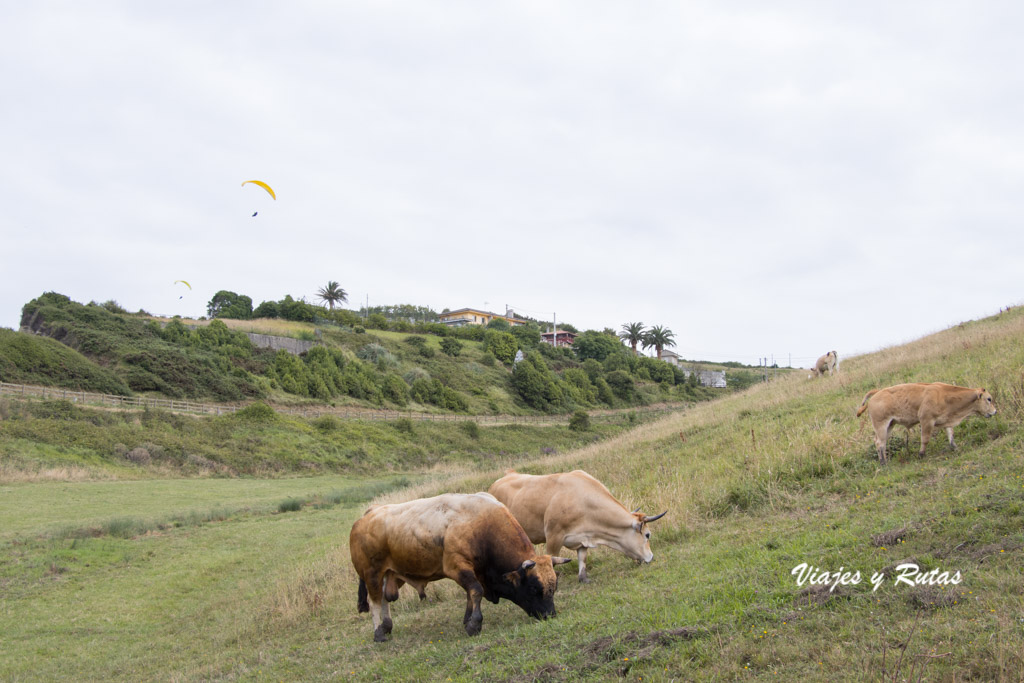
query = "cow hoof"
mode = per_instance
[
  {"x": 473, "y": 626},
  {"x": 584, "y": 579},
  {"x": 387, "y": 625},
  {"x": 379, "y": 635}
]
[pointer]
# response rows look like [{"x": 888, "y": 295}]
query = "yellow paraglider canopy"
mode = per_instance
[
  {"x": 184, "y": 283},
  {"x": 263, "y": 185}
]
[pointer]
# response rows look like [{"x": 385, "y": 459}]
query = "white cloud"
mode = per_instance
[{"x": 760, "y": 180}]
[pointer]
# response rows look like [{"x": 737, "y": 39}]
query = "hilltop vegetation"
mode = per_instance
[
  {"x": 423, "y": 367},
  {"x": 755, "y": 483}
]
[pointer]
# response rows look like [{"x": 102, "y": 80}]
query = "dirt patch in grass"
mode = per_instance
[
  {"x": 548, "y": 672},
  {"x": 625, "y": 649},
  {"x": 889, "y": 538},
  {"x": 979, "y": 553},
  {"x": 819, "y": 594},
  {"x": 930, "y": 597}
]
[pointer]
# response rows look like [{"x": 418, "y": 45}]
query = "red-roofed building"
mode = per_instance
[{"x": 563, "y": 338}]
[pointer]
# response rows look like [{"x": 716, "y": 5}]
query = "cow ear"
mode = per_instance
[{"x": 512, "y": 577}]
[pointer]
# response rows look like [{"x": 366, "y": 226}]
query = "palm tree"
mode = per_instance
[
  {"x": 332, "y": 294},
  {"x": 659, "y": 337},
  {"x": 632, "y": 334}
]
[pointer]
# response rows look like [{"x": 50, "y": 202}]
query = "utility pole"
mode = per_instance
[{"x": 554, "y": 335}]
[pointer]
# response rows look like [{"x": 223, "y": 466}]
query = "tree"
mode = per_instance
[
  {"x": 332, "y": 294},
  {"x": 632, "y": 334},
  {"x": 502, "y": 344},
  {"x": 659, "y": 337},
  {"x": 225, "y": 304},
  {"x": 596, "y": 345}
]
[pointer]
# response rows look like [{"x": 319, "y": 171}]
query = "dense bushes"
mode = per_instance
[
  {"x": 501, "y": 344},
  {"x": 205, "y": 364},
  {"x": 476, "y": 370},
  {"x": 31, "y": 359}
]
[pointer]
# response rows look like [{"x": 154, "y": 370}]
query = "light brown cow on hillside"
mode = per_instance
[
  {"x": 827, "y": 362},
  {"x": 574, "y": 510},
  {"x": 932, "y": 405},
  {"x": 471, "y": 539}
]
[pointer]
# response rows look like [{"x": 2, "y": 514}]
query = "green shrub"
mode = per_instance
[
  {"x": 418, "y": 342},
  {"x": 376, "y": 353},
  {"x": 622, "y": 384},
  {"x": 501, "y": 344},
  {"x": 404, "y": 425},
  {"x": 327, "y": 423},
  {"x": 291, "y": 505},
  {"x": 580, "y": 421},
  {"x": 597, "y": 345},
  {"x": 451, "y": 346},
  {"x": 528, "y": 336},
  {"x": 471, "y": 428},
  {"x": 395, "y": 389},
  {"x": 257, "y": 412},
  {"x": 536, "y": 384}
]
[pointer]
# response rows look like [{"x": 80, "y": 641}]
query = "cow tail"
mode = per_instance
[
  {"x": 361, "y": 604},
  {"x": 864, "y": 403}
]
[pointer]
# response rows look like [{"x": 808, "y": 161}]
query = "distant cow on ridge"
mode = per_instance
[
  {"x": 827, "y": 362},
  {"x": 574, "y": 510},
  {"x": 932, "y": 405}
]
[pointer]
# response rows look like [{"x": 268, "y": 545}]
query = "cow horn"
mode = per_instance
[
  {"x": 648, "y": 518},
  {"x": 637, "y": 510},
  {"x": 527, "y": 564}
]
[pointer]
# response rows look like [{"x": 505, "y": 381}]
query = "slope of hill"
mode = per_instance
[
  {"x": 466, "y": 371},
  {"x": 31, "y": 359},
  {"x": 756, "y": 484}
]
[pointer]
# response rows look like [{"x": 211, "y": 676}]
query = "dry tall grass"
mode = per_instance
[
  {"x": 686, "y": 462},
  {"x": 271, "y": 326},
  {"x": 11, "y": 474}
]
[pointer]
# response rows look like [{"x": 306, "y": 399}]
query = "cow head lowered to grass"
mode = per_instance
[
  {"x": 575, "y": 510},
  {"x": 469, "y": 538}
]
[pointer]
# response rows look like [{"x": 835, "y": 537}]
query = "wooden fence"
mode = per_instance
[{"x": 22, "y": 391}]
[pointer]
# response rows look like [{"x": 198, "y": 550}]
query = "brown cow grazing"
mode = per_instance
[
  {"x": 825, "y": 363},
  {"x": 574, "y": 510},
  {"x": 932, "y": 405},
  {"x": 471, "y": 539}
]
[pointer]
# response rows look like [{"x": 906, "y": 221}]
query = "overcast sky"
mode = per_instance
[{"x": 761, "y": 180}]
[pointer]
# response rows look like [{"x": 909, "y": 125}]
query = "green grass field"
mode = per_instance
[{"x": 755, "y": 484}]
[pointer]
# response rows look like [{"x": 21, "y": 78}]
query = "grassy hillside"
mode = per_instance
[
  {"x": 469, "y": 370},
  {"x": 755, "y": 484},
  {"x": 31, "y": 359},
  {"x": 56, "y": 440}
]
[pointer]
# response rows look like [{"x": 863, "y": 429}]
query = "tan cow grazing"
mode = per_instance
[
  {"x": 471, "y": 539},
  {"x": 932, "y": 405},
  {"x": 825, "y": 363},
  {"x": 574, "y": 510}
]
